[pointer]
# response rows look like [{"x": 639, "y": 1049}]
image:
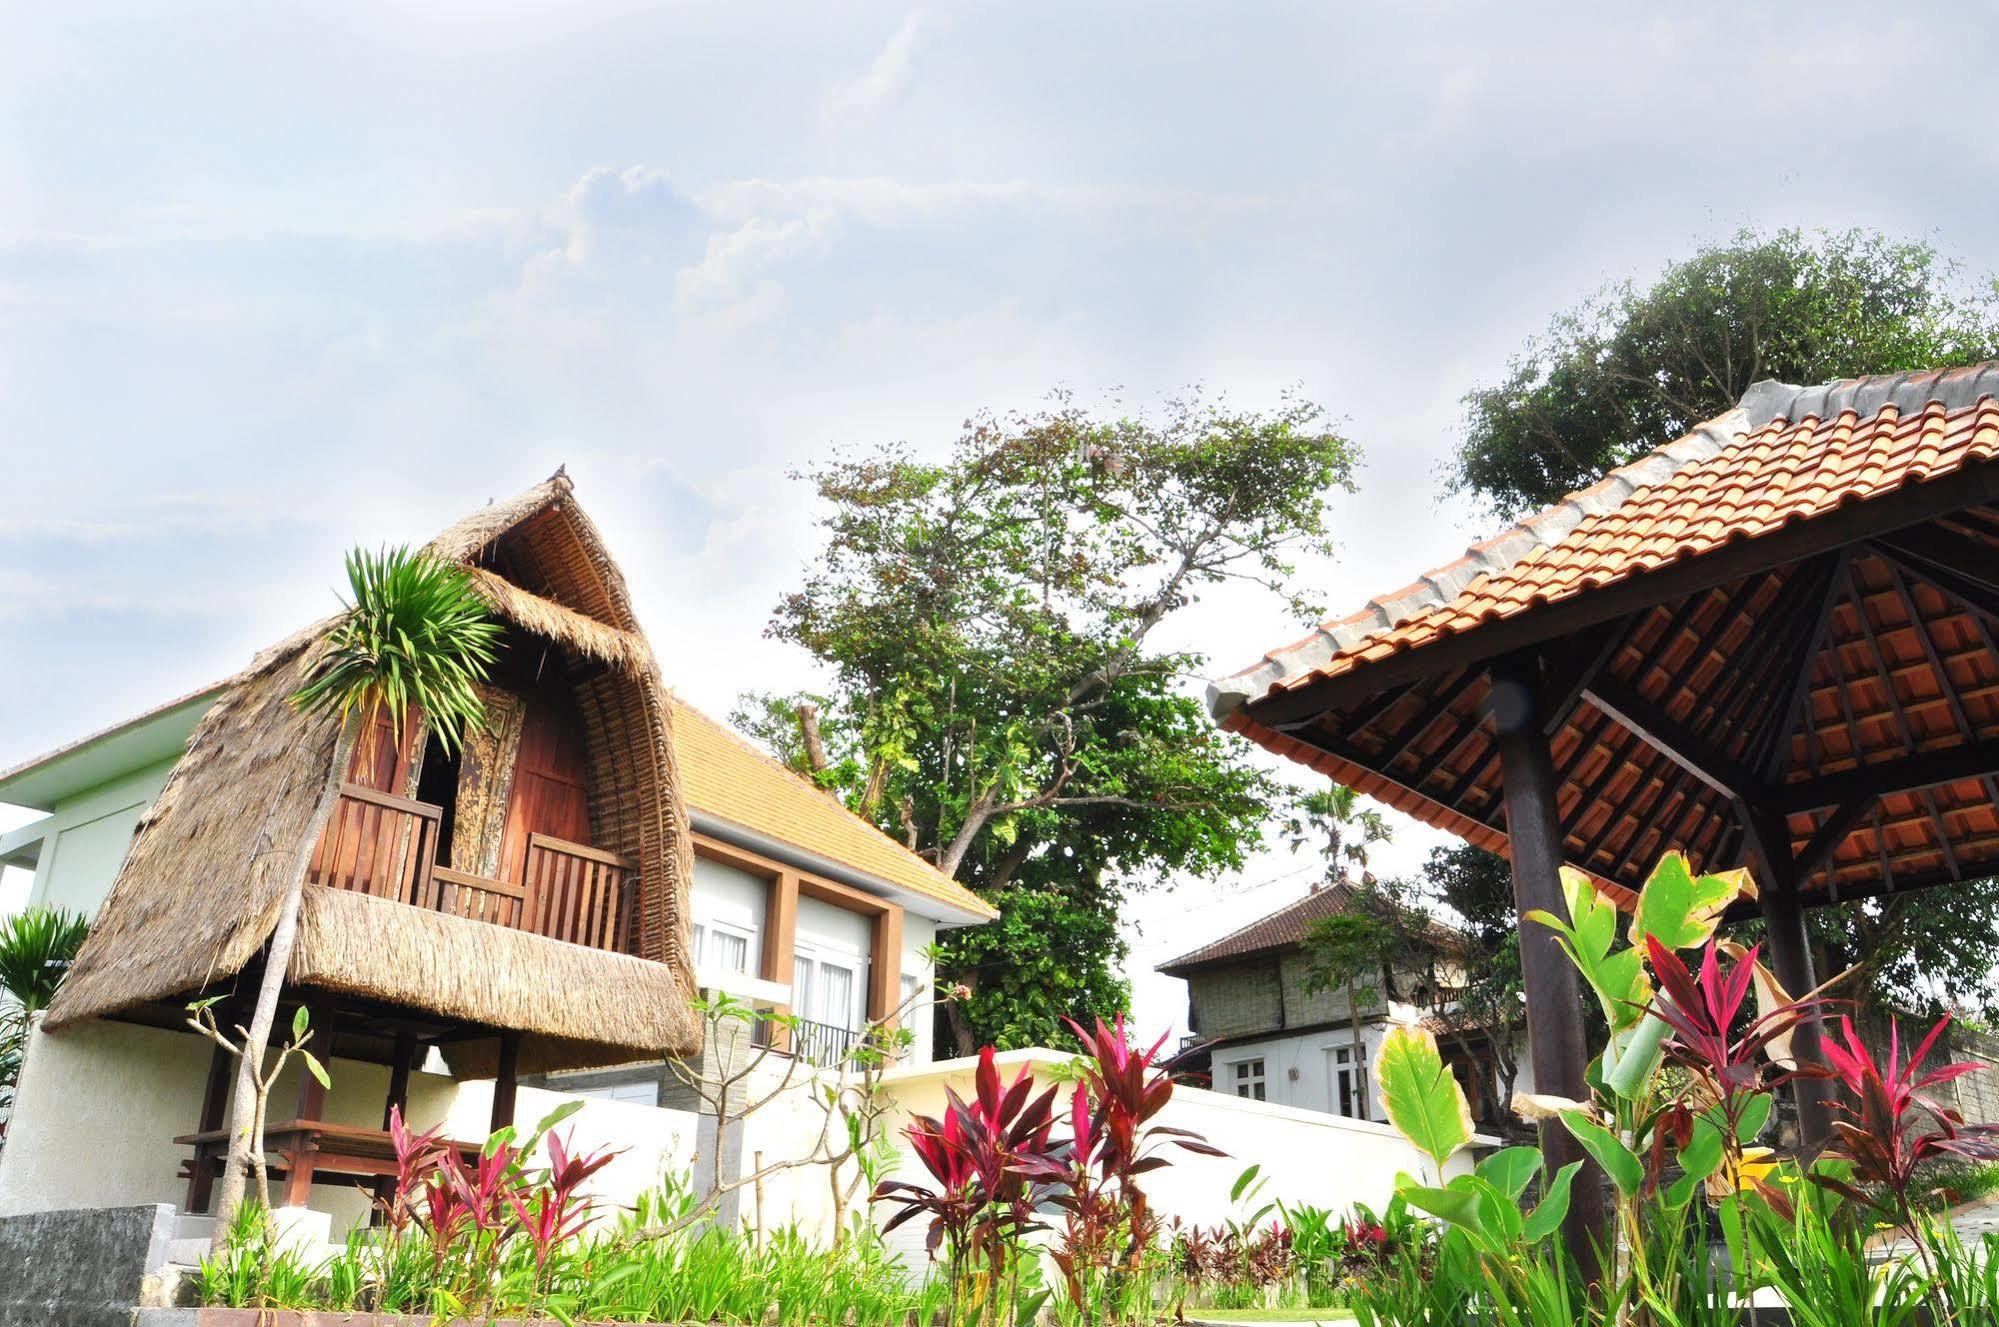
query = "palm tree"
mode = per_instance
[
  {"x": 36, "y": 947},
  {"x": 1346, "y": 949},
  {"x": 415, "y": 639}
]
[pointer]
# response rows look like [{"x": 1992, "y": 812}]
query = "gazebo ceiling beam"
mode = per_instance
[
  {"x": 1907, "y": 774},
  {"x": 1972, "y": 485},
  {"x": 1659, "y": 731},
  {"x": 1800, "y": 689}
]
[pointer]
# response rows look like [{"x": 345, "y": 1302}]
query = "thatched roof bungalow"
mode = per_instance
[{"x": 201, "y": 888}]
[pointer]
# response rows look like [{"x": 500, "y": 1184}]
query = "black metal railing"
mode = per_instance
[{"x": 822, "y": 1044}]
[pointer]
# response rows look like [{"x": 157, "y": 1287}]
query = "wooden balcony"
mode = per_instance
[{"x": 380, "y": 844}]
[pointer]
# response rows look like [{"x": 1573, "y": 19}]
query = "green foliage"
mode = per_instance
[
  {"x": 1617, "y": 977},
  {"x": 1924, "y": 953},
  {"x": 999, "y": 702},
  {"x": 1055, "y": 949},
  {"x": 415, "y": 638},
  {"x": 1422, "y": 1098},
  {"x": 1632, "y": 369},
  {"x": 1678, "y": 908},
  {"x": 37, "y": 945}
]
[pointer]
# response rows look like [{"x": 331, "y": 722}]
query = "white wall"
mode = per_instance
[
  {"x": 1309, "y": 1157},
  {"x": 87, "y": 836},
  {"x": 1298, "y": 1068}
]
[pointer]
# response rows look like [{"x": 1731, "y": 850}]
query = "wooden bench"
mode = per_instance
[{"x": 301, "y": 1153}]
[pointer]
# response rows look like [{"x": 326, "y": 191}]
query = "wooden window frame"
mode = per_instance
[{"x": 780, "y": 929}]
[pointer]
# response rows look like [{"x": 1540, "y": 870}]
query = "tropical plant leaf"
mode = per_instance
[
  {"x": 1700, "y": 1158},
  {"x": 1511, "y": 1169},
  {"x": 1458, "y": 1205},
  {"x": 1619, "y": 979},
  {"x": 1619, "y": 1162},
  {"x": 1423, "y": 1099},
  {"x": 1547, "y": 1216},
  {"x": 1680, "y": 909}
]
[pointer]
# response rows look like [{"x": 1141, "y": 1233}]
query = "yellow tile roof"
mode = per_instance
[{"x": 726, "y": 776}]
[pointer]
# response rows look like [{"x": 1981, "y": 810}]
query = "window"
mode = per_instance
[
  {"x": 645, "y": 1092},
  {"x": 1349, "y": 1087},
  {"x": 912, "y": 986},
  {"x": 827, "y": 987},
  {"x": 722, "y": 947},
  {"x": 1249, "y": 1079}
]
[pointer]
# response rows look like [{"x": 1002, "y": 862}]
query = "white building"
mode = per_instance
[{"x": 1260, "y": 1031}]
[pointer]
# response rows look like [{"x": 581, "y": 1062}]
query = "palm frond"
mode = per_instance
[
  {"x": 416, "y": 638},
  {"x": 36, "y": 947}
]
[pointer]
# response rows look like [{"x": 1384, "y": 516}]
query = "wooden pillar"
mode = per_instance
[
  {"x": 885, "y": 963},
  {"x": 780, "y": 945},
  {"x": 506, "y": 1082},
  {"x": 214, "y": 1116},
  {"x": 1554, "y": 994},
  {"x": 399, "y": 1077},
  {"x": 1778, "y": 876},
  {"x": 311, "y": 1092}
]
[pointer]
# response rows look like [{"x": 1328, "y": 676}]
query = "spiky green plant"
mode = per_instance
[
  {"x": 36, "y": 947},
  {"x": 416, "y": 638}
]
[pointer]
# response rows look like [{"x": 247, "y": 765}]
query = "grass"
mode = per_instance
[{"x": 1270, "y": 1316}]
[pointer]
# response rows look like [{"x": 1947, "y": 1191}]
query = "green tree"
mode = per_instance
[
  {"x": 1476, "y": 887},
  {"x": 1356, "y": 950},
  {"x": 37, "y": 946},
  {"x": 1631, "y": 369},
  {"x": 1001, "y": 701},
  {"x": 413, "y": 641},
  {"x": 1921, "y": 953}
]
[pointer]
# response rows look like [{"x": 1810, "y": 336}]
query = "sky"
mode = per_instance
[{"x": 278, "y": 280}]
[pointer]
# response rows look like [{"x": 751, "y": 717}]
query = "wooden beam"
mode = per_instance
[
  {"x": 1780, "y": 758},
  {"x": 1971, "y": 485},
  {"x": 507, "y": 1081},
  {"x": 1664, "y": 735},
  {"x": 1905, "y": 774},
  {"x": 1554, "y": 997},
  {"x": 1833, "y": 831},
  {"x": 885, "y": 964},
  {"x": 399, "y": 1076},
  {"x": 1791, "y": 962},
  {"x": 780, "y": 947}
]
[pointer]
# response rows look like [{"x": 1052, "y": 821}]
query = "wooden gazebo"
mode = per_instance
[{"x": 1769, "y": 643}]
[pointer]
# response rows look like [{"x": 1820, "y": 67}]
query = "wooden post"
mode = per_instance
[
  {"x": 780, "y": 945},
  {"x": 399, "y": 1077},
  {"x": 311, "y": 1093},
  {"x": 1554, "y": 995},
  {"x": 885, "y": 964},
  {"x": 214, "y": 1114},
  {"x": 506, "y": 1083},
  {"x": 1778, "y": 877}
]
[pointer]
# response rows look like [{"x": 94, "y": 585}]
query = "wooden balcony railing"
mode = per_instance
[
  {"x": 384, "y": 845},
  {"x": 583, "y": 895},
  {"x": 380, "y": 844}
]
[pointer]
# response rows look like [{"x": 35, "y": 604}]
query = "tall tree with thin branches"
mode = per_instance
[{"x": 415, "y": 639}]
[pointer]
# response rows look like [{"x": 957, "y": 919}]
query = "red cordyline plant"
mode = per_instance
[
  {"x": 991, "y": 1158},
  {"x": 1891, "y": 1127},
  {"x": 1738, "y": 1062},
  {"x": 1110, "y": 1226},
  {"x": 471, "y": 1213}
]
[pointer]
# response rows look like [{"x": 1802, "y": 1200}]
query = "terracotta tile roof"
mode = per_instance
[
  {"x": 1805, "y": 662},
  {"x": 1783, "y": 455},
  {"x": 1282, "y": 930},
  {"x": 726, "y": 776}
]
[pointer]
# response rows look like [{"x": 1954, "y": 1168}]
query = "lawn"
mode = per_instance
[{"x": 1269, "y": 1315}]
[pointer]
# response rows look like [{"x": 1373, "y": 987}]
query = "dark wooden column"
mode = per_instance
[
  {"x": 1779, "y": 877},
  {"x": 214, "y": 1117},
  {"x": 399, "y": 1077},
  {"x": 506, "y": 1082},
  {"x": 1554, "y": 994}
]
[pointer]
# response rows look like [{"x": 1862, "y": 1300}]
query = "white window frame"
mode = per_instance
[
  {"x": 1348, "y": 1089},
  {"x": 806, "y": 999},
  {"x": 1250, "y": 1078},
  {"x": 710, "y": 926}
]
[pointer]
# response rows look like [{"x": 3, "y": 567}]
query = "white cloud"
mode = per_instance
[{"x": 884, "y": 80}]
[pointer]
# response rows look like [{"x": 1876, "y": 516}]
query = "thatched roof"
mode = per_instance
[{"x": 200, "y": 890}]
